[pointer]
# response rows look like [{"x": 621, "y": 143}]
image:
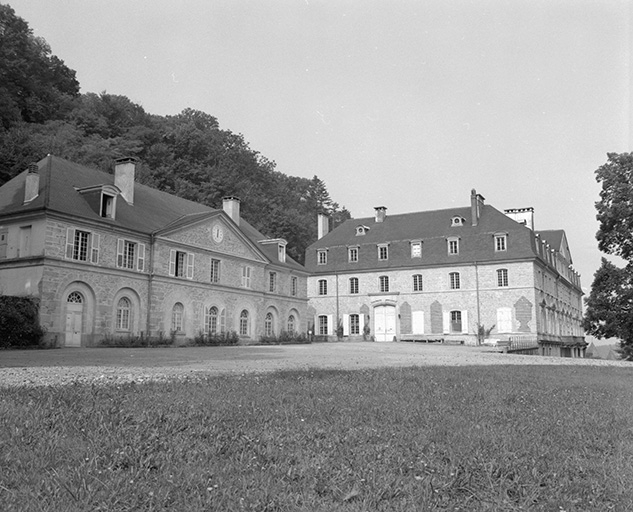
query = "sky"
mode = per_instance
[{"x": 400, "y": 103}]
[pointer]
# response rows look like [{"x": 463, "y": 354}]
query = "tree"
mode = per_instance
[{"x": 609, "y": 311}]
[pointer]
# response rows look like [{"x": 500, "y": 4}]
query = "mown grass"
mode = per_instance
[{"x": 462, "y": 438}]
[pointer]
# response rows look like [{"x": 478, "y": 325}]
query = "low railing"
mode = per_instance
[{"x": 526, "y": 343}]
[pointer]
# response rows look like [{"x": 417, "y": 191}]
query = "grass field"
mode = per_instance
[{"x": 438, "y": 438}]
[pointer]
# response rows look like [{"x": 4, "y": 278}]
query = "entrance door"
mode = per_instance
[
  {"x": 385, "y": 323},
  {"x": 74, "y": 314}
]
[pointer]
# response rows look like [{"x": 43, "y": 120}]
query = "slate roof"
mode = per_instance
[
  {"x": 152, "y": 210},
  {"x": 432, "y": 228}
]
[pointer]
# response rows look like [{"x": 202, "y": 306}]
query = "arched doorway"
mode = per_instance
[
  {"x": 384, "y": 322},
  {"x": 74, "y": 316}
]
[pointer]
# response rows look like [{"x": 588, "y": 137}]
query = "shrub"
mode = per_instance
[
  {"x": 284, "y": 338},
  {"x": 19, "y": 322},
  {"x": 217, "y": 339},
  {"x": 110, "y": 340}
]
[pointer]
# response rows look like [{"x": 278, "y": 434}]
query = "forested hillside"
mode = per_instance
[{"x": 187, "y": 154}]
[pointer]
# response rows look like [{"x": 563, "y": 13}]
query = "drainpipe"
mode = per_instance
[
  {"x": 337, "y": 305},
  {"x": 150, "y": 279},
  {"x": 478, "y": 305}
]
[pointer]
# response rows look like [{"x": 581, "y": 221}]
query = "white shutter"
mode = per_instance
[
  {"x": 504, "y": 320},
  {"x": 94, "y": 255},
  {"x": 446, "y": 320},
  {"x": 418, "y": 322},
  {"x": 190, "y": 265},
  {"x": 345, "y": 325},
  {"x": 464, "y": 322},
  {"x": 119, "y": 252},
  {"x": 140, "y": 266},
  {"x": 70, "y": 242},
  {"x": 330, "y": 325},
  {"x": 361, "y": 323},
  {"x": 172, "y": 262}
]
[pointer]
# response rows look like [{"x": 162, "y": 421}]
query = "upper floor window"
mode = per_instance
[
  {"x": 293, "y": 286},
  {"x": 501, "y": 242},
  {"x": 353, "y": 285},
  {"x": 215, "y": 271},
  {"x": 24, "y": 249},
  {"x": 417, "y": 283},
  {"x": 352, "y": 254},
  {"x": 322, "y": 257},
  {"x": 322, "y": 287},
  {"x": 453, "y": 245},
  {"x": 502, "y": 277},
  {"x": 246, "y": 277},
  {"x": 181, "y": 264},
  {"x": 454, "y": 280},
  {"x": 384, "y": 283},
  {"x": 272, "y": 281},
  {"x": 383, "y": 252},
  {"x": 416, "y": 249},
  {"x": 130, "y": 255},
  {"x": 82, "y": 245}
]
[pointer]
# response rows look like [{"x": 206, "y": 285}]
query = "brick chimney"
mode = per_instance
[
  {"x": 231, "y": 206},
  {"x": 323, "y": 225},
  {"x": 124, "y": 170},
  {"x": 476, "y": 206},
  {"x": 32, "y": 183},
  {"x": 381, "y": 213}
]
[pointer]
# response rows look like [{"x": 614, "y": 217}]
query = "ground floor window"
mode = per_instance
[
  {"x": 354, "y": 324},
  {"x": 123, "y": 314},
  {"x": 269, "y": 329},
  {"x": 211, "y": 320},
  {"x": 323, "y": 325},
  {"x": 456, "y": 321},
  {"x": 291, "y": 324},
  {"x": 177, "y": 317},
  {"x": 244, "y": 323}
]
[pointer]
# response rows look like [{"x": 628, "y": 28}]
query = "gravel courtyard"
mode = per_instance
[{"x": 119, "y": 365}]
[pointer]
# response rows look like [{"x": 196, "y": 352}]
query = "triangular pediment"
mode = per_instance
[{"x": 212, "y": 232}]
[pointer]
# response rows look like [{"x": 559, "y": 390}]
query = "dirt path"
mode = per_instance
[{"x": 117, "y": 365}]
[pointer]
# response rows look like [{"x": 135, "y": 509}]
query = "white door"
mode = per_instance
[
  {"x": 385, "y": 323},
  {"x": 74, "y": 313}
]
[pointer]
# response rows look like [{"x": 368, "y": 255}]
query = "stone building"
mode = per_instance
[
  {"x": 108, "y": 256},
  {"x": 443, "y": 276}
]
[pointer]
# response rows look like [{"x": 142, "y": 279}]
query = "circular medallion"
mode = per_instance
[{"x": 218, "y": 233}]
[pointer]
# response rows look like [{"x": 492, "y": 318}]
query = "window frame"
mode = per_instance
[
  {"x": 502, "y": 278},
  {"x": 123, "y": 315},
  {"x": 383, "y": 252},
  {"x": 455, "y": 280},
  {"x": 353, "y": 285},
  {"x": 244, "y": 327},
  {"x": 293, "y": 286},
  {"x": 452, "y": 246},
  {"x": 418, "y": 283},
  {"x": 354, "y": 324},
  {"x": 178, "y": 317},
  {"x": 322, "y": 287},
  {"x": 501, "y": 242},
  {"x": 416, "y": 247},
  {"x": 383, "y": 284},
  {"x": 322, "y": 325},
  {"x": 214, "y": 274},
  {"x": 321, "y": 256},
  {"x": 272, "y": 282},
  {"x": 352, "y": 254}
]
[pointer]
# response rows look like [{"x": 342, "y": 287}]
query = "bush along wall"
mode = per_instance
[{"x": 19, "y": 322}]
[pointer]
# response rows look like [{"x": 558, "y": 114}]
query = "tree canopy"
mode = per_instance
[
  {"x": 610, "y": 302},
  {"x": 186, "y": 154}
]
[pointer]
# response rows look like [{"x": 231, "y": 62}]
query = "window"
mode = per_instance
[
  {"x": 501, "y": 243},
  {"x": 25, "y": 242},
  {"x": 77, "y": 244},
  {"x": 125, "y": 254},
  {"x": 417, "y": 283},
  {"x": 75, "y": 298},
  {"x": 123, "y": 313},
  {"x": 293, "y": 286},
  {"x": 384, "y": 283},
  {"x": 281, "y": 252},
  {"x": 453, "y": 245},
  {"x": 292, "y": 322},
  {"x": 456, "y": 321},
  {"x": 322, "y": 287},
  {"x": 457, "y": 221},
  {"x": 502, "y": 277},
  {"x": 210, "y": 320},
  {"x": 361, "y": 230},
  {"x": 181, "y": 264},
  {"x": 215, "y": 271},
  {"x": 107, "y": 206},
  {"x": 323, "y": 327},
  {"x": 352, "y": 254},
  {"x": 268, "y": 325},
  {"x": 177, "y": 317},
  {"x": 354, "y": 324},
  {"x": 383, "y": 252},
  {"x": 246, "y": 277},
  {"x": 322, "y": 257},
  {"x": 244, "y": 323},
  {"x": 272, "y": 282},
  {"x": 416, "y": 249},
  {"x": 353, "y": 285},
  {"x": 454, "y": 280}
]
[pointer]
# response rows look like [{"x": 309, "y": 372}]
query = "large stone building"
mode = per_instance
[
  {"x": 444, "y": 275},
  {"x": 107, "y": 256}
]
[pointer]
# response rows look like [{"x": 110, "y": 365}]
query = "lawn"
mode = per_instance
[{"x": 548, "y": 438}]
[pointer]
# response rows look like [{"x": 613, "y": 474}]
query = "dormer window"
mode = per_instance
[
  {"x": 102, "y": 199},
  {"x": 281, "y": 252},
  {"x": 383, "y": 252},
  {"x": 501, "y": 242},
  {"x": 322, "y": 257},
  {"x": 453, "y": 245},
  {"x": 361, "y": 230},
  {"x": 107, "y": 205},
  {"x": 457, "y": 221},
  {"x": 416, "y": 249}
]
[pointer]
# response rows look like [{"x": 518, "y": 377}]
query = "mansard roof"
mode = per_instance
[
  {"x": 433, "y": 229},
  {"x": 152, "y": 210}
]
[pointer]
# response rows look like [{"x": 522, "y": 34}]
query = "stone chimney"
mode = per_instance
[
  {"x": 476, "y": 206},
  {"x": 124, "y": 170},
  {"x": 381, "y": 213},
  {"x": 523, "y": 216},
  {"x": 32, "y": 183},
  {"x": 231, "y": 206},
  {"x": 323, "y": 225}
]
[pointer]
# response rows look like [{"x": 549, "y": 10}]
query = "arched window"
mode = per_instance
[
  {"x": 123, "y": 314},
  {"x": 75, "y": 298},
  {"x": 177, "y": 317},
  {"x": 268, "y": 325},
  {"x": 291, "y": 324},
  {"x": 211, "y": 320},
  {"x": 244, "y": 323}
]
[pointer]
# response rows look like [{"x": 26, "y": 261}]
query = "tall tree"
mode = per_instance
[{"x": 609, "y": 311}]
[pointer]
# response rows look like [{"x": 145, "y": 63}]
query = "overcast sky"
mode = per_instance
[{"x": 406, "y": 104}]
